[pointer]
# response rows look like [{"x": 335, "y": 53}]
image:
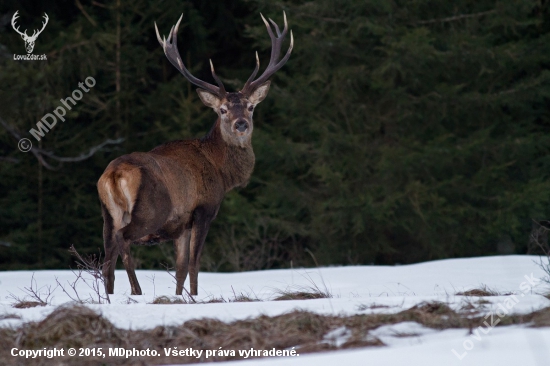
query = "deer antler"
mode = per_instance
[
  {"x": 24, "y": 34},
  {"x": 276, "y": 43},
  {"x": 170, "y": 48},
  {"x": 37, "y": 33},
  {"x": 15, "y": 16}
]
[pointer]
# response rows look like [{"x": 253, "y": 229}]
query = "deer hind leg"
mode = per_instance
[
  {"x": 111, "y": 251},
  {"x": 202, "y": 218},
  {"x": 124, "y": 245},
  {"x": 112, "y": 221},
  {"x": 181, "y": 246},
  {"x": 116, "y": 245},
  {"x": 149, "y": 211}
]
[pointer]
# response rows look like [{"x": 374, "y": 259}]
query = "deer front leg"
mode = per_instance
[
  {"x": 202, "y": 218},
  {"x": 181, "y": 246}
]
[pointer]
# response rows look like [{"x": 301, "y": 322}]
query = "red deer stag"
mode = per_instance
[{"x": 174, "y": 191}]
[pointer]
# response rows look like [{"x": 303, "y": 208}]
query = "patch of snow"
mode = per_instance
[
  {"x": 355, "y": 290},
  {"x": 338, "y": 336},
  {"x": 505, "y": 346}
]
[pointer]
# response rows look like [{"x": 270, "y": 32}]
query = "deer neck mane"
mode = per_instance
[{"x": 235, "y": 163}]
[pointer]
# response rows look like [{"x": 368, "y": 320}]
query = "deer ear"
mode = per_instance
[
  {"x": 259, "y": 93},
  {"x": 209, "y": 99}
]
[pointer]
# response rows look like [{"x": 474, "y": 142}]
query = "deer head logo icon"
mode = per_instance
[{"x": 29, "y": 40}]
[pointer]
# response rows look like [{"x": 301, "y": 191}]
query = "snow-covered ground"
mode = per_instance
[{"x": 355, "y": 290}]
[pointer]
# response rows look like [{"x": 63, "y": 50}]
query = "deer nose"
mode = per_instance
[{"x": 241, "y": 125}]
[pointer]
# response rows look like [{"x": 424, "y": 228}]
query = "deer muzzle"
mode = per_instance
[{"x": 241, "y": 125}]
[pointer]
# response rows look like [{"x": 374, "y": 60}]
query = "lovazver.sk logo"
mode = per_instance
[{"x": 29, "y": 40}]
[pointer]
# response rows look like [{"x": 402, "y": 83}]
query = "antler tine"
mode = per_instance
[
  {"x": 13, "y": 19},
  {"x": 158, "y": 36},
  {"x": 273, "y": 66},
  {"x": 254, "y": 73},
  {"x": 276, "y": 27},
  {"x": 170, "y": 48},
  {"x": 174, "y": 33},
  {"x": 46, "y": 19},
  {"x": 274, "y": 40},
  {"x": 220, "y": 84},
  {"x": 268, "y": 27},
  {"x": 37, "y": 32},
  {"x": 170, "y": 35},
  {"x": 280, "y": 37}
]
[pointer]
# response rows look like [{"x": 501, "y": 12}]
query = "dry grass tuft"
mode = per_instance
[
  {"x": 541, "y": 318},
  {"x": 165, "y": 300},
  {"x": 473, "y": 307},
  {"x": 434, "y": 307},
  {"x": 244, "y": 298},
  {"x": 212, "y": 300},
  {"x": 435, "y": 315},
  {"x": 477, "y": 292},
  {"x": 75, "y": 326},
  {"x": 299, "y": 295},
  {"x": 363, "y": 307},
  {"x": 215, "y": 300},
  {"x": 484, "y": 290},
  {"x": 79, "y": 326},
  {"x": 23, "y": 304},
  {"x": 9, "y": 316},
  {"x": 309, "y": 293},
  {"x": 468, "y": 306}
]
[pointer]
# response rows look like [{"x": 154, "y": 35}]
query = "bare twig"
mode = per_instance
[
  {"x": 76, "y": 297},
  {"x": 67, "y": 47},
  {"x": 456, "y": 17},
  {"x": 40, "y": 154},
  {"x": 324, "y": 19},
  {"x": 8, "y": 159},
  {"x": 79, "y": 6},
  {"x": 544, "y": 260},
  {"x": 101, "y": 5},
  {"x": 39, "y": 296},
  {"x": 189, "y": 296},
  {"x": 93, "y": 266},
  {"x": 9, "y": 128},
  {"x": 152, "y": 278},
  {"x": 82, "y": 156}
]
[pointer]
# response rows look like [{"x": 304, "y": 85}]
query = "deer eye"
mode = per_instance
[
  {"x": 251, "y": 108},
  {"x": 223, "y": 111}
]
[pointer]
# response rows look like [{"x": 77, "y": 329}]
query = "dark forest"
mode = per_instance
[{"x": 398, "y": 131}]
